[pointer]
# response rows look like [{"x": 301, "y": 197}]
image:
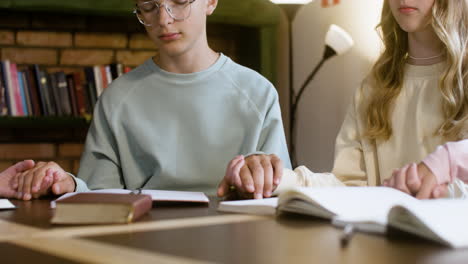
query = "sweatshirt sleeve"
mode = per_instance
[
  {"x": 349, "y": 165},
  {"x": 449, "y": 162},
  {"x": 272, "y": 139},
  {"x": 303, "y": 177},
  {"x": 100, "y": 163}
]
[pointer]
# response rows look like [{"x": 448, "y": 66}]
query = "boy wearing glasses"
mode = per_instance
[{"x": 175, "y": 121}]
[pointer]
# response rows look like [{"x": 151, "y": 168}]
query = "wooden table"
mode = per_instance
[{"x": 200, "y": 234}]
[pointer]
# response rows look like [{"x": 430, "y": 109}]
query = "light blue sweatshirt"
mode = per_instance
[{"x": 154, "y": 129}]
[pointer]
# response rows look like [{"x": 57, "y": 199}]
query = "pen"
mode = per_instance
[{"x": 348, "y": 232}]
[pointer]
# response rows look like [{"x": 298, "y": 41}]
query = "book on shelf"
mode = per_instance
[
  {"x": 91, "y": 91},
  {"x": 32, "y": 91},
  {"x": 369, "y": 209},
  {"x": 63, "y": 95},
  {"x": 55, "y": 96},
  {"x": 40, "y": 81},
  {"x": 72, "y": 93},
  {"x": 98, "y": 80},
  {"x": 10, "y": 97},
  {"x": 19, "y": 110},
  {"x": 3, "y": 95},
  {"x": 101, "y": 208},
  {"x": 27, "y": 102}
]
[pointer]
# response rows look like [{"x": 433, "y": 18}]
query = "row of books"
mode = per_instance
[{"x": 33, "y": 91}]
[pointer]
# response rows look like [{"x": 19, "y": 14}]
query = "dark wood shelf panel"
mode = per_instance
[
  {"x": 43, "y": 129},
  {"x": 240, "y": 12}
]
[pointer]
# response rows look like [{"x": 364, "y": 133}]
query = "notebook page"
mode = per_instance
[
  {"x": 177, "y": 196},
  {"x": 446, "y": 218},
  {"x": 357, "y": 204},
  {"x": 265, "y": 206}
]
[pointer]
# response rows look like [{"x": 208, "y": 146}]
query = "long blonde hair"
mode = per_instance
[{"x": 450, "y": 23}]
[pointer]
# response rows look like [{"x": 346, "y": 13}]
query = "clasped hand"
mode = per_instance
[
  {"x": 27, "y": 180},
  {"x": 417, "y": 180},
  {"x": 255, "y": 176}
]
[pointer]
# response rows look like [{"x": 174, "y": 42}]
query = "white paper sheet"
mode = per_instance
[{"x": 6, "y": 204}]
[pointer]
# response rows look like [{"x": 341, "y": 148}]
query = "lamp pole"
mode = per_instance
[{"x": 291, "y": 10}]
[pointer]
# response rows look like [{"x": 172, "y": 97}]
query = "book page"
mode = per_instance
[
  {"x": 350, "y": 204},
  {"x": 443, "y": 220},
  {"x": 265, "y": 206},
  {"x": 177, "y": 196}
]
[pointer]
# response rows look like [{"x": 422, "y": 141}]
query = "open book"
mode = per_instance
[
  {"x": 156, "y": 195},
  {"x": 371, "y": 209}
]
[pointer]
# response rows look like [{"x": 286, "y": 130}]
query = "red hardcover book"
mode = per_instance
[
  {"x": 16, "y": 90},
  {"x": 103, "y": 77},
  {"x": 80, "y": 94},
  {"x": 101, "y": 208}
]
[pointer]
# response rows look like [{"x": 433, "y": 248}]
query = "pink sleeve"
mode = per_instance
[{"x": 449, "y": 161}]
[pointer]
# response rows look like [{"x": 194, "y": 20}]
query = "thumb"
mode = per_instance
[
  {"x": 63, "y": 183},
  {"x": 22, "y": 166},
  {"x": 223, "y": 188}
]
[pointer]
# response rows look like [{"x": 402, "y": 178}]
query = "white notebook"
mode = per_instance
[
  {"x": 261, "y": 207},
  {"x": 371, "y": 209},
  {"x": 157, "y": 195}
]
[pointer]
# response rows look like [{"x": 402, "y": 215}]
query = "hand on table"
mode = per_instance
[
  {"x": 45, "y": 178},
  {"x": 7, "y": 188},
  {"x": 417, "y": 180},
  {"x": 256, "y": 176}
]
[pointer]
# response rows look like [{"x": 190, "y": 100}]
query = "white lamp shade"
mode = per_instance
[
  {"x": 291, "y": 2},
  {"x": 338, "y": 39}
]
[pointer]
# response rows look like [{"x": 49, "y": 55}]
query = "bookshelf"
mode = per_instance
[
  {"x": 43, "y": 129},
  {"x": 258, "y": 18}
]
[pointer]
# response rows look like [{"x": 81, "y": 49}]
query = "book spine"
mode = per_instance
[
  {"x": 80, "y": 96},
  {"x": 62, "y": 86},
  {"x": 34, "y": 92},
  {"x": 9, "y": 88},
  {"x": 140, "y": 208},
  {"x": 71, "y": 92},
  {"x": 114, "y": 71},
  {"x": 108, "y": 76},
  {"x": 54, "y": 98},
  {"x": 98, "y": 80},
  {"x": 3, "y": 93},
  {"x": 119, "y": 70},
  {"x": 91, "y": 86},
  {"x": 22, "y": 93},
  {"x": 27, "y": 92},
  {"x": 41, "y": 81},
  {"x": 16, "y": 90}
]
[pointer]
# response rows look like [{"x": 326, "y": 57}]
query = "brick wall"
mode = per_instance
[
  {"x": 69, "y": 42},
  {"x": 66, "y": 154}
]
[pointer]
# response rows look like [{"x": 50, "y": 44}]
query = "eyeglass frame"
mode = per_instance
[{"x": 158, "y": 7}]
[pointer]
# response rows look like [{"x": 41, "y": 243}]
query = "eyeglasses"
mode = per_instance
[{"x": 148, "y": 11}]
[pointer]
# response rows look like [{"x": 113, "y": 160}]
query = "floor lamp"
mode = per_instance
[
  {"x": 290, "y": 8},
  {"x": 337, "y": 42}
]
